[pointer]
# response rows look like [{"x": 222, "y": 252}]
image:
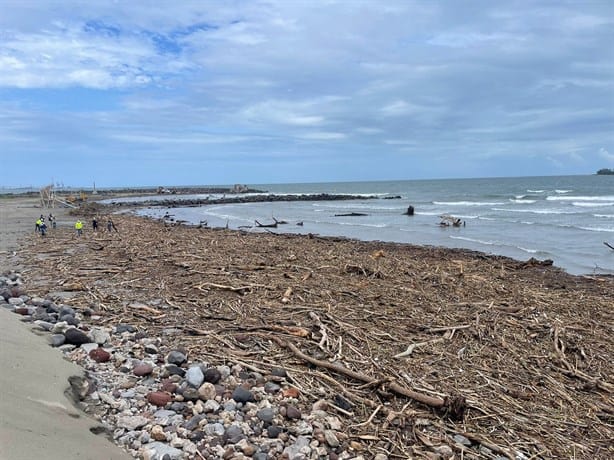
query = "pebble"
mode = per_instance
[
  {"x": 241, "y": 395},
  {"x": 100, "y": 355},
  {"x": 176, "y": 357},
  {"x": 195, "y": 376},
  {"x": 159, "y": 398},
  {"x": 160, "y": 406},
  {"x": 75, "y": 336}
]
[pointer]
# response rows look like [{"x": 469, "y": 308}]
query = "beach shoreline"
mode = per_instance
[{"x": 485, "y": 328}]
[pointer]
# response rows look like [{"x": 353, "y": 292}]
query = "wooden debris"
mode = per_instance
[{"x": 521, "y": 352}]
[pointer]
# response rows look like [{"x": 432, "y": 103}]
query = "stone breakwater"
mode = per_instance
[{"x": 159, "y": 405}]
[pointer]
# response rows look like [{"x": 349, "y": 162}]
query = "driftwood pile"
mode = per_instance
[{"x": 413, "y": 345}]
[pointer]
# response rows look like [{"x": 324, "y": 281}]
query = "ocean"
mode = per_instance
[{"x": 566, "y": 219}]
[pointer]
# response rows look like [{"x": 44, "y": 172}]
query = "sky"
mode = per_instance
[{"x": 144, "y": 93}]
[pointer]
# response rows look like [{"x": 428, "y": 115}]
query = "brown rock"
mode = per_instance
[
  {"x": 100, "y": 355},
  {"x": 159, "y": 398},
  {"x": 142, "y": 369},
  {"x": 168, "y": 386},
  {"x": 293, "y": 413},
  {"x": 290, "y": 392},
  {"x": 207, "y": 391}
]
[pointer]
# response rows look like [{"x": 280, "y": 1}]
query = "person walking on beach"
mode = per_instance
[
  {"x": 79, "y": 227},
  {"x": 94, "y": 224},
  {"x": 43, "y": 229},
  {"x": 37, "y": 227},
  {"x": 111, "y": 226}
]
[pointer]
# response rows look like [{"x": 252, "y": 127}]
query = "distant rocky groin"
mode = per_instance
[{"x": 174, "y": 202}]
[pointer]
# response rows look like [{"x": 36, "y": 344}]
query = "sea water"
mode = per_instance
[{"x": 566, "y": 219}]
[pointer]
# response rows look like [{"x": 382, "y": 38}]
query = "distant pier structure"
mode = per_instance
[{"x": 48, "y": 197}]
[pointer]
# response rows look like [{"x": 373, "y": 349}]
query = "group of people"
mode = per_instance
[
  {"x": 41, "y": 225},
  {"x": 110, "y": 226}
]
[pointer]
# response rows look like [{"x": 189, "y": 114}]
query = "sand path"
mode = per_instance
[{"x": 37, "y": 420}]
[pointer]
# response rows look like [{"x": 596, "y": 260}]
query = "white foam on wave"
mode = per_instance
[
  {"x": 598, "y": 229},
  {"x": 536, "y": 211},
  {"x": 604, "y": 216},
  {"x": 586, "y": 204},
  {"x": 521, "y": 201},
  {"x": 563, "y": 191},
  {"x": 535, "y": 191},
  {"x": 473, "y": 240},
  {"x": 581, "y": 198},
  {"x": 468, "y": 203}
]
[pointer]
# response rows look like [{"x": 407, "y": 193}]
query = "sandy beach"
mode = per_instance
[
  {"x": 438, "y": 353},
  {"x": 37, "y": 419}
]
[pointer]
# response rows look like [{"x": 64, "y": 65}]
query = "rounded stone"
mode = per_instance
[
  {"x": 207, "y": 391},
  {"x": 142, "y": 369},
  {"x": 75, "y": 336},
  {"x": 234, "y": 434},
  {"x": 100, "y": 355},
  {"x": 242, "y": 395},
  {"x": 273, "y": 431},
  {"x": 168, "y": 386},
  {"x": 293, "y": 413},
  {"x": 157, "y": 432},
  {"x": 173, "y": 369},
  {"x": 212, "y": 375},
  {"x": 158, "y": 398},
  {"x": 266, "y": 414},
  {"x": 176, "y": 357}
]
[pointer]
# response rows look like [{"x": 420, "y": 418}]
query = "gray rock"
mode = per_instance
[
  {"x": 132, "y": 422},
  {"x": 56, "y": 340},
  {"x": 121, "y": 328},
  {"x": 191, "y": 394},
  {"x": 195, "y": 376},
  {"x": 296, "y": 450},
  {"x": 331, "y": 438},
  {"x": 192, "y": 424},
  {"x": 44, "y": 325},
  {"x": 274, "y": 431},
  {"x": 69, "y": 319},
  {"x": 87, "y": 347},
  {"x": 100, "y": 336},
  {"x": 241, "y": 395},
  {"x": 459, "y": 438},
  {"x": 66, "y": 310},
  {"x": 75, "y": 336},
  {"x": 173, "y": 369},
  {"x": 15, "y": 301},
  {"x": 214, "y": 429},
  {"x": 234, "y": 434},
  {"x": 211, "y": 406},
  {"x": 162, "y": 451},
  {"x": 271, "y": 387},
  {"x": 59, "y": 328},
  {"x": 176, "y": 357},
  {"x": 266, "y": 414},
  {"x": 151, "y": 349}
]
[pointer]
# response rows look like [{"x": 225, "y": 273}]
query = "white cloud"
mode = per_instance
[{"x": 609, "y": 157}]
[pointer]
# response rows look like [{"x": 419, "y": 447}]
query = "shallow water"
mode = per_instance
[{"x": 566, "y": 219}]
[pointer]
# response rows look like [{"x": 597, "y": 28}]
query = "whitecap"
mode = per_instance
[{"x": 467, "y": 203}]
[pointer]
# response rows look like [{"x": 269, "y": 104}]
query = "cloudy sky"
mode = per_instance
[{"x": 275, "y": 91}]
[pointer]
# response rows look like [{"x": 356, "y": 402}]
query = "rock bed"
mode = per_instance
[{"x": 158, "y": 405}]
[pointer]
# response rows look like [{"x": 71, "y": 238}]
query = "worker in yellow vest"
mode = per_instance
[
  {"x": 79, "y": 227},
  {"x": 39, "y": 222}
]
